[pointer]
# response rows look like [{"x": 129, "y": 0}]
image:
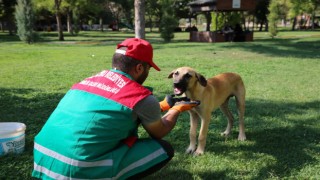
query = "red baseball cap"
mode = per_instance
[{"x": 138, "y": 49}]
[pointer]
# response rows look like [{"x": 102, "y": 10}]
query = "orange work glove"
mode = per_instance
[
  {"x": 169, "y": 102},
  {"x": 185, "y": 105}
]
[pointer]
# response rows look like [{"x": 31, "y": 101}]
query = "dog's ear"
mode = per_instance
[
  {"x": 202, "y": 80},
  {"x": 170, "y": 75}
]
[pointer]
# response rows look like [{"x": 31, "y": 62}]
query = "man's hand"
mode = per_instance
[
  {"x": 169, "y": 101},
  {"x": 158, "y": 129},
  {"x": 185, "y": 105}
]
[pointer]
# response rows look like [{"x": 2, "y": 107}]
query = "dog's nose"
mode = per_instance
[{"x": 176, "y": 84}]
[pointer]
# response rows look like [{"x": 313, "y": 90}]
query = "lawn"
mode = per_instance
[{"x": 281, "y": 76}]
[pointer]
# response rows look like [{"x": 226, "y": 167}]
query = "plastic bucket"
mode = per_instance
[{"x": 12, "y": 137}]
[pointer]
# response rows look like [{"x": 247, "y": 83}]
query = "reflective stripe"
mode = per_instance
[
  {"x": 54, "y": 175},
  {"x": 49, "y": 173},
  {"x": 141, "y": 162},
  {"x": 73, "y": 162}
]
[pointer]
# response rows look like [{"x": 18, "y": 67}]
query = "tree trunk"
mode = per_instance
[
  {"x": 57, "y": 4},
  {"x": 261, "y": 25},
  {"x": 59, "y": 26},
  {"x": 267, "y": 26},
  {"x": 69, "y": 23},
  {"x": 139, "y": 12},
  {"x": 294, "y": 23},
  {"x": 101, "y": 24},
  {"x": 11, "y": 27}
]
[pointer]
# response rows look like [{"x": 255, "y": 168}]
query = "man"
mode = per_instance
[
  {"x": 92, "y": 134},
  {"x": 228, "y": 33}
]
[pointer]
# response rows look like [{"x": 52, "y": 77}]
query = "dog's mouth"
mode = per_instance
[{"x": 178, "y": 89}]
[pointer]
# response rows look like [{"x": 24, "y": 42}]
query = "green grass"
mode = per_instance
[{"x": 282, "y": 108}]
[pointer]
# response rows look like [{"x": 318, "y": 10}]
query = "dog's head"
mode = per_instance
[{"x": 185, "y": 78}]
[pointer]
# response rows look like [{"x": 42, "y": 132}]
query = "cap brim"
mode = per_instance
[{"x": 154, "y": 66}]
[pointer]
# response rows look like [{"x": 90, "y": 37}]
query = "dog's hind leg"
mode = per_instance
[
  {"x": 240, "y": 99},
  {"x": 194, "y": 120},
  {"x": 226, "y": 111}
]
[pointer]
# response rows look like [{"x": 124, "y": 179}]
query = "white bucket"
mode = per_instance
[{"x": 12, "y": 137}]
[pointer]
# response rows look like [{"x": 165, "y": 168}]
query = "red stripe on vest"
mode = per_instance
[{"x": 114, "y": 86}]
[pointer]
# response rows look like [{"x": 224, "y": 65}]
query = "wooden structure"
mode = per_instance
[{"x": 207, "y": 6}]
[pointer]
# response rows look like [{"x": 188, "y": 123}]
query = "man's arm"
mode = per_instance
[
  {"x": 163, "y": 126},
  {"x": 148, "y": 111}
]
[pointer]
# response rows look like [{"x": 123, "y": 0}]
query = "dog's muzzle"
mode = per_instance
[{"x": 179, "y": 88}]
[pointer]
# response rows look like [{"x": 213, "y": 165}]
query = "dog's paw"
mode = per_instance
[
  {"x": 198, "y": 152},
  {"x": 225, "y": 134},
  {"x": 242, "y": 137},
  {"x": 190, "y": 150}
]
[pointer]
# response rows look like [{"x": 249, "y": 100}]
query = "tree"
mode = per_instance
[
  {"x": 217, "y": 21},
  {"x": 168, "y": 21},
  {"x": 300, "y": 7},
  {"x": 181, "y": 8},
  {"x": 55, "y": 7},
  {"x": 153, "y": 12},
  {"x": 139, "y": 13},
  {"x": 25, "y": 20},
  {"x": 7, "y": 15},
  {"x": 127, "y": 7},
  {"x": 273, "y": 18},
  {"x": 261, "y": 13},
  {"x": 314, "y": 4},
  {"x": 314, "y": 7},
  {"x": 117, "y": 11}
]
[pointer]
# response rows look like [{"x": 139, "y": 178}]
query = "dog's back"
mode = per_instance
[{"x": 226, "y": 85}]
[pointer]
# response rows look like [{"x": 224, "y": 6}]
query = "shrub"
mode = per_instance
[
  {"x": 273, "y": 18},
  {"x": 25, "y": 21},
  {"x": 168, "y": 22},
  {"x": 167, "y": 27}
]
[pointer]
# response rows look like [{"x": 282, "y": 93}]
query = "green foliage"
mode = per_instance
[
  {"x": 282, "y": 102},
  {"x": 220, "y": 21},
  {"x": 167, "y": 26},
  {"x": 262, "y": 11},
  {"x": 273, "y": 18},
  {"x": 76, "y": 20},
  {"x": 25, "y": 21},
  {"x": 232, "y": 18},
  {"x": 168, "y": 22}
]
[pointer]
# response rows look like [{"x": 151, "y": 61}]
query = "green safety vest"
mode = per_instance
[{"x": 84, "y": 136}]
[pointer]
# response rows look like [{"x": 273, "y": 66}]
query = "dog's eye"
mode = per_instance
[
  {"x": 176, "y": 73},
  {"x": 187, "y": 76}
]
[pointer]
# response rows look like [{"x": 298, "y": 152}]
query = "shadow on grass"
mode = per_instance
[
  {"x": 28, "y": 106},
  {"x": 287, "y": 132},
  {"x": 292, "y": 47},
  {"x": 304, "y": 47},
  {"x": 31, "y": 107},
  {"x": 5, "y": 37}
]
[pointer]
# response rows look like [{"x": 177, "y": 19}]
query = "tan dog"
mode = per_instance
[{"x": 213, "y": 93}]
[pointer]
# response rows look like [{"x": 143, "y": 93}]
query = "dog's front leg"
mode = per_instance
[
  {"x": 205, "y": 120},
  {"x": 194, "y": 118}
]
